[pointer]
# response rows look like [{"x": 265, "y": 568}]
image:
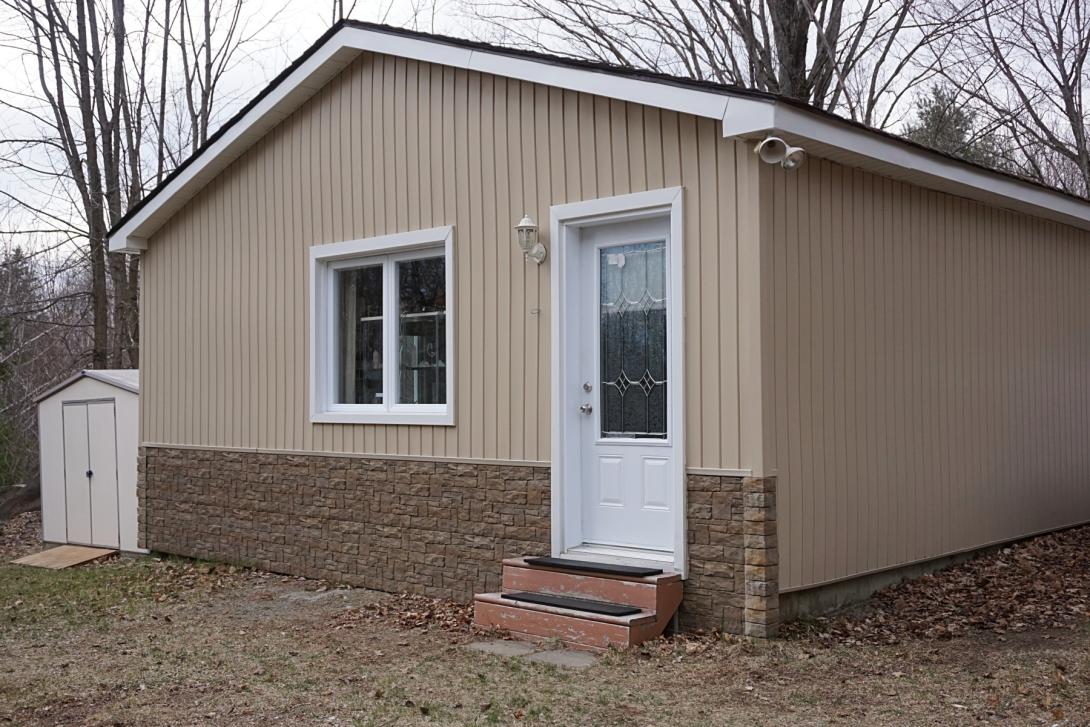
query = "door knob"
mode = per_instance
[
  {"x": 89, "y": 474},
  {"x": 585, "y": 408}
]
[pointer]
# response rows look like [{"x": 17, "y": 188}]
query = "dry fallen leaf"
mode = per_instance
[
  {"x": 410, "y": 612},
  {"x": 1036, "y": 584}
]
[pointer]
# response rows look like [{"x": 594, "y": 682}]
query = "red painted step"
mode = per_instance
[
  {"x": 652, "y": 592},
  {"x": 657, "y": 597}
]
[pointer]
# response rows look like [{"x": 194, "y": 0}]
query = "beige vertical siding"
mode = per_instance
[
  {"x": 393, "y": 145},
  {"x": 930, "y": 372}
]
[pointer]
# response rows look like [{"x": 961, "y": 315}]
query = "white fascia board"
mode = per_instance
[
  {"x": 662, "y": 95},
  {"x": 338, "y": 52},
  {"x": 750, "y": 118},
  {"x": 741, "y": 116}
]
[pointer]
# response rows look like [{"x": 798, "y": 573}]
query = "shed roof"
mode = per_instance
[
  {"x": 743, "y": 112},
  {"x": 125, "y": 379}
]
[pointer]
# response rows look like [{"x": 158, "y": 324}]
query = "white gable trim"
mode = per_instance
[
  {"x": 339, "y": 51},
  {"x": 740, "y": 115},
  {"x": 663, "y": 95},
  {"x": 124, "y": 379},
  {"x": 303, "y": 83}
]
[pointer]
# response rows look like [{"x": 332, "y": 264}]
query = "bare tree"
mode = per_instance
[
  {"x": 855, "y": 57},
  {"x": 414, "y": 14},
  {"x": 1026, "y": 65},
  {"x": 340, "y": 12},
  {"x": 207, "y": 48},
  {"x": 113, "y": 111}
]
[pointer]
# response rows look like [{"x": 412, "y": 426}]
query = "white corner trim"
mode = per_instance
[
  {"x": 562, "y": 218},
  {"x": 322, "y": 411},
  {"x": 747, "y": 116}
]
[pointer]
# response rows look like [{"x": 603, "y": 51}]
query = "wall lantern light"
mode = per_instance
[{"x": 526, "y": 234}]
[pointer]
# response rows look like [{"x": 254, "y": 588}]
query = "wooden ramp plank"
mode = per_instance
[{"x": 64, "y": 556}]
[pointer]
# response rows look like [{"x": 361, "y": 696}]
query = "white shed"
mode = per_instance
[{"x": 89, "y": 439}]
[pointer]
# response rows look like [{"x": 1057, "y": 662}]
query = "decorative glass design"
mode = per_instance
[
  {"x": 422, "y": 331},
  {"x": 359, "y": 335},
  {"x": 632, "y": 336}
]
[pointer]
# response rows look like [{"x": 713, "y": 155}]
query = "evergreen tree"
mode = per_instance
[{"x": 946, "y": 123}]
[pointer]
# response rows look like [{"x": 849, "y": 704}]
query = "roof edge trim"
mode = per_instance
[
  {"x": 752, "y": 118},
  {"x": 742, "y": 114},
  {"x": 329, "y": 56},
  {"x": 86, "y": 374}
]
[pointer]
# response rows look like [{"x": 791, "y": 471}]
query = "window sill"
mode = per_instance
[{"x": 429, "y": 418}]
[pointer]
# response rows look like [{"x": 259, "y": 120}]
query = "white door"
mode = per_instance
[
  {"x": 626, "y": 449},
  {"x": 90, "y": 473}
]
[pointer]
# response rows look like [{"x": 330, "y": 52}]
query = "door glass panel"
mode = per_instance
[{"x": 632, "y": 337}]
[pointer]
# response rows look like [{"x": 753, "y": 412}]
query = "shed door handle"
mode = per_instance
[{"x": 89, "y": 474}]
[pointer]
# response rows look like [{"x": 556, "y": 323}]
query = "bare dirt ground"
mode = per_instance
[{"x": 172, "y": 642}]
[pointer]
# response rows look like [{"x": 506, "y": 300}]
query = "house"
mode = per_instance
[{"x": 755, "y": 383}]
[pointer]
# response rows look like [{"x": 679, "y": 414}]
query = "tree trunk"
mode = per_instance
[
  {"x": 96, "y": 224},
  {"x": 791, "y": 28}
]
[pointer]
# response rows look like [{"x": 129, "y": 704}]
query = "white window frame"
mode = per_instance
[{"x": 386, "y": 250}]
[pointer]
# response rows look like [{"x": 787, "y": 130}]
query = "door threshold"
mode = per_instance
[{"x": 620, "y": 555}]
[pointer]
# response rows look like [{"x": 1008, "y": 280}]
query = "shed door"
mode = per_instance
[{"x": 90, "y": 473}]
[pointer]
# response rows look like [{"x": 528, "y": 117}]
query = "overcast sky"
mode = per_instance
[
  {"x": 284, "y": 28},
  {"x": 293, "y": 25}
]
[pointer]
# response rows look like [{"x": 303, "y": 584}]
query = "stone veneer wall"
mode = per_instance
[
  {"x": 733, "y": 556},
  {"x": 436, "y": 528}
]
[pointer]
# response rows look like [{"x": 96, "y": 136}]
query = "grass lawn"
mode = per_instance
[{"x": 170, "y": 642}]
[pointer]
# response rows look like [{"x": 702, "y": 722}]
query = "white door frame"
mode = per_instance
[{"x": 566, "y": 492}]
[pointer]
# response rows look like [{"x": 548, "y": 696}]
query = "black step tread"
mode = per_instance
[
  {"x": 633, "y": 571},
  {"x": 575, "y": 604}
]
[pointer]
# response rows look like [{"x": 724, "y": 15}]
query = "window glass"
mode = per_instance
[
  {"x": 422, "y": 331},
  {"x": 359, "y": 335}
]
